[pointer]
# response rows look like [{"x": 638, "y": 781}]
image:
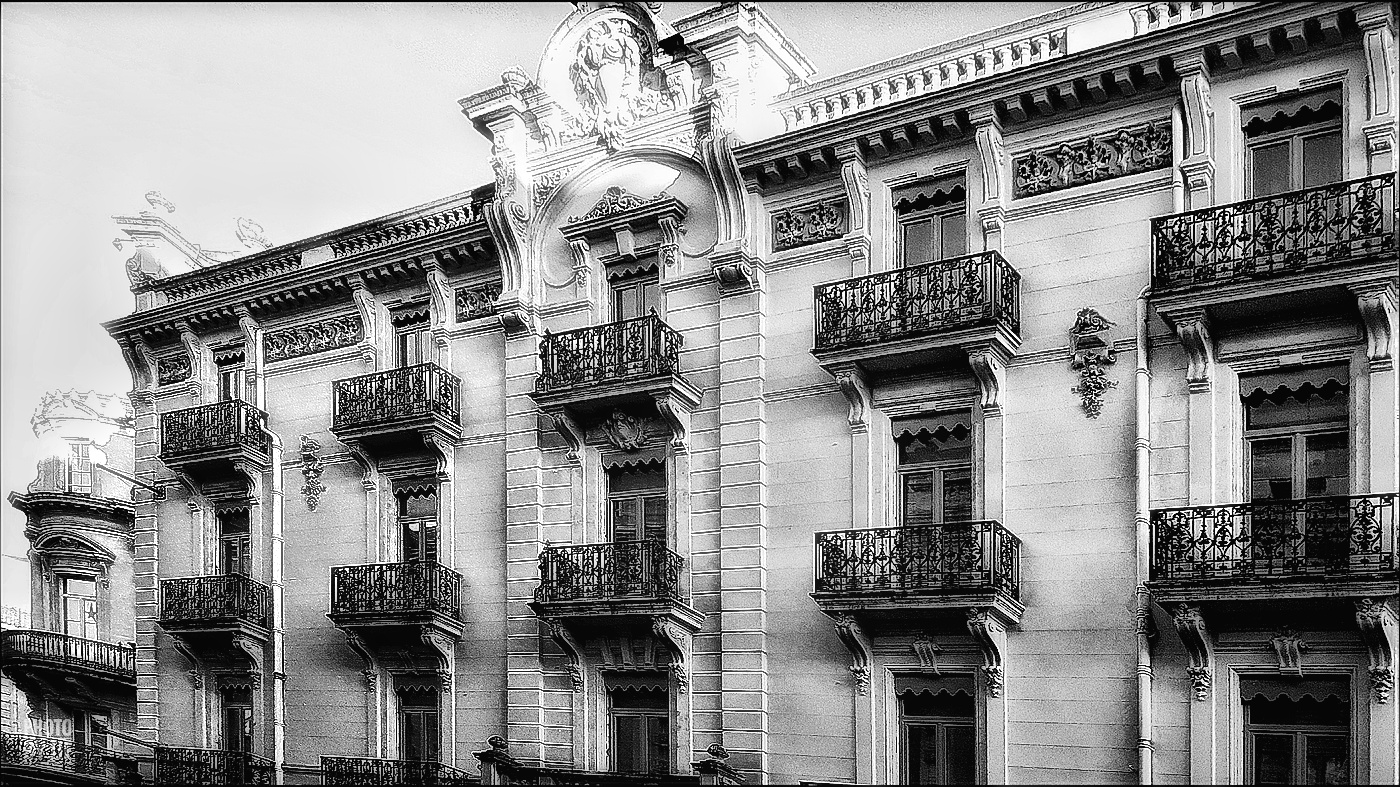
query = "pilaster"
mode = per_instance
[
  {"x": 1377, "y": 23},
  {"x": 146, "y": 563},
  {"x": 1198, "y": 161},
  {"x": 992, "y": 168}
]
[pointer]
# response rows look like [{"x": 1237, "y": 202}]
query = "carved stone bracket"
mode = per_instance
[
  {"x": 566, "y": 642},
  {"x": 442, "y": 648},
  {"x": 990, "y": 636},
  {"x": 734, "y": 269},
  {"x": 1193, "y": 329},
  {"x": 1198, "y": 165},
  {"x": 372, "y": 667},
  {"x": 858, "y": 643},
  {"x": 370, "y": 467},
  {"x": 582, "y": 265},
  {"x": 1376, "y": 302},
  {"x": 854, "y": 386},
  {"x": 311, "y": 471},
  {"x": 676, "y": 416},
  {"x": 989, "y": 366},
  {"x": 1200, "y": 651},
  {"x": 198, "y": 354},
  {"x": 253, "y": 650},
  {"x": 677, "y": 642},
  {"x": 443, "y": 451},
  {"x": 671, "y": 232},
  {"x": 368, "y": 307},
  {"x": 926, "y": 651},
  {"x": 569, "y": 429},
  {"x": 1289, "y": 647},
  {"x": 1377, "y": 622}
]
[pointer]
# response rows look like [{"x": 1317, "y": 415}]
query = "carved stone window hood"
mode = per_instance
[{"x": 623, "y": 215}]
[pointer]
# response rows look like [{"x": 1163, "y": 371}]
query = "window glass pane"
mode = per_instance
[
  {"x": 629, "y": 734},
  {"x": 921, "y": 754},
  {"x": 957, "y": 495},
  {"x": 80, "y": 587},
  {"x": 1271, "y": 469},
  {"x": 1325, "y": 760},
  {"x": 624, "y": 519},
  {"x": 419, "y": 506},
  {"x": 658, "y": 745},
  {"x": 917, "y": 242},
  {"x": 651, "y": 296},
  {"x": 1273, "y": 759},
  {"x": 960, "y": 754},
  {"x": 654, "y": 518},
  {"x": 96, "y": 723},
  {"x": 1270, "y": 169},
  {"x": 1322, "y": 159},
  {"x": 953, "y": 234},
  {"x": 1327, "y": 464},
  {"x": 918, "y": 498}
]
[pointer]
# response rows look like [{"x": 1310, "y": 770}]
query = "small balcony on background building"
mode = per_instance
[
  {"x": 619, "y": 581},
  {"x": 1307, "y": 553},
  {"x": 175, "y": 765},
  {"x": 1303, "y": 250},
  {"x": 918, "y": 316},
  {"x": 384, "y": 598},
  {"x": 230, "y": 603},
  {"x": 213, "y": 441},
  {"x": 29, "y": 759},
  {"x": 370, "y": 770},
  {"x": 56, "y": 661},
  {"x": 397, "y": 411},
  {"x": 929, "y": 572}
]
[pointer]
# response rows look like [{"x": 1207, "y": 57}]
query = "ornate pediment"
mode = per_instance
[{"x": 616, "y": 200}]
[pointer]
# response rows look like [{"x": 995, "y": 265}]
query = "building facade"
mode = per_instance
[
  {"x": 72, "y": 655},
  {"x": 1022, "y": 409}
]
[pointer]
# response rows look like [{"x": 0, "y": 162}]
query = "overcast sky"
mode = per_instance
[{"x": 302, "y": 117}]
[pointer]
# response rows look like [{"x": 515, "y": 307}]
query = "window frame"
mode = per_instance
[
  {"x": 232, "y": 542},
  {"x": 936, "y": 216},
  {"x": 429, "y": 537},
  {"x": 432, "y": 739},
  {"x": 91, "y": 630},
  {"x": 645, "y": 289},
  {"x": 231, "y": 701},
  {"x": 86, "y": 734},
  {"x": 1298, "y": 435},
  {"x": 233, "y": 381},
  {"x": 78, "y": 466},
  {"x": 1299, "y": 733},
  {"x": 638, "y": 498},
  {"x": 614, "y": 739},
  {"x": 905, "y": 721},
  {"x": 939, "y": 470},
  {"x": 1295, "y": 137}
]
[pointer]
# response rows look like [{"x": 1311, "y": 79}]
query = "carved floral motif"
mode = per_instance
[
  {"x": 311, "y": 471},
  {"x": 1125, "y": 152},
  {"x": 546, "y": 184},
  {"x": 330, "y": 334},
  {"x": 172, "y": 369},
  {"x": 1091, "y": 354},
  {"x": 809, "y": 224},
  {"x": 478, "y": 301}
]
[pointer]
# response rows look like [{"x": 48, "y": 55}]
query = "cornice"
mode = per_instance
[{"x": 36, "y": 504}]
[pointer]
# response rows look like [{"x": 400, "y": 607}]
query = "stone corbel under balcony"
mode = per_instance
[
  {"x": 1200, "y": 649},
  {"x": 1192, "y": 327},
  {"x": 856, "y": 388},
  {"x": 1377, "y": 621},
  {"x": 1377, "y": 303},
  {"x": 988, "y": 628},
  {"x": 849, "y": 631}
]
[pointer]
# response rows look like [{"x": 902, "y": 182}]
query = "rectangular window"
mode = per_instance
[
  {"x": 932, "y": 221},
  {"x": 635, "y": 295},
  {"x": 418, "y": 523},
  {"x": 1299, "y": 740},
  {"x": 79, "y": 466},
  {"x": 235, "y": 542},
  {"x": 637, "y": 502},
  {"x": 238, "y": 719},
  {"x": 90, "y": 729},
  {"x": 1294, "y": 142},
  {"x": 935, "y": 469},
  {"x": 412, "y": 337},
  {"x": 418, "y": 723},
  {"x": 233, "y": 378},
  {"x": 640, "y": 726},
  {"x": 937, "y": 737},
  {"x": 80, "y": 607}
]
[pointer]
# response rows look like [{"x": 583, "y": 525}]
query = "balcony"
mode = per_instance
[
  {"x": 28, "y": 759},
  {"x": 602, "y": 366},
  {"x": 210, "y": 766},
  {"x": 386, "y": 596},
  {"x": 1275, "y": 254},
  {"x": 225, "y": 602},
  {"x": 52, "y": 658},
  {"x": 214, "y": 439},
  {"x": 368, "y": 770},
  {"x": 397, "y": 411},
  {"x": 623, "y": 579},
  {"x": 929, "y": 571},
  {"x": 919, "y": 315},
  {"x": 1275, "y": 550}
]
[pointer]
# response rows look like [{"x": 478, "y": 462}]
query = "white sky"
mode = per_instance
[{"x": 302, "y": 117}]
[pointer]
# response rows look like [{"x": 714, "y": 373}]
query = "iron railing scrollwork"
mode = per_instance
[
  {"x": 641, "y": 347},
  {"x": 214, "y": 598},
  {"x": 371, "y": 771},
  {"x": 409, "y": 392},
  {"x": 67, "y": 651},
  {"x": 1299, "y": 230},
  {"x": 963, "y": 292},
  {"x": 176, "y": 765},
  {"x": 602, "y": 572},
  {"x": 1312, "y": 537},
  {"x": 396, "y": 588},
  {"x": 566, "y": 777},
  {"x": 52, "y": 754},
  {"x": 211, "y": 427},
  {"x": 952, "y": 557}
]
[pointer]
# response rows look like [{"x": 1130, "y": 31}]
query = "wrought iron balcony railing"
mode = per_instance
[
  {"x": 409, "y": 392},
  {"x": 212, "y": 427},
  {"x": 176, "y": 765},
  {"x": 213, "y": 599},
  {"x": 64, "y": 651},
  {"x": 396, "y": 588},
  {"x": 631, "y": 349},
  {"x": 1259, "y": 238},
  {"x": 1299, "y": 539},
  {"x": 953, "y": 557},
  {"x": 963, "y": 292},
  {"x": 52, "y": 754},
  {"x": 371, "y": 771},
  {"x": 607, "y": 572}
]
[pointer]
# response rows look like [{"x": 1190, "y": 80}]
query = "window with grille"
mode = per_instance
[
  {"x": 640, "y": 726},
  {"x": 1294, "y": 142},
  {"x": 79, "y": 466},
  {"x": 637, "y": 502}
]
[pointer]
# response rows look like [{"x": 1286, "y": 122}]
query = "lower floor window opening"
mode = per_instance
[{"x": 938, "y": 730}]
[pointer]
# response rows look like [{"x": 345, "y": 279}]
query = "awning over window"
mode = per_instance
[
  {"x": 1291, "y": 111},
  {"x": 933, "y": 684},
  {"x": 647, "y": 458},
  {"x": 938, "y": 425},
  {"x": 929, "y": 194},
  {"x": 635, "y": 267},
  {"x": 1318, "y": 688},
  {"x": 1300, "y": 383},
  {"x": 410, "y": 315},
  {"x": 635, "y": 681}
]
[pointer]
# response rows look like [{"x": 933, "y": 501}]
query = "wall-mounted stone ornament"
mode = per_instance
[
  {"x": 1091, "y": 353},
  {"x": 330, "y": 334},
  {"x": 625, "y": 431},
  {"x": 614, "y": 80},
  {"x": 171, "y": 369},
  {"x": 1126, "y": 151},
  {"x": 616, "y": 200},
  {"x": 546, "y": 183},
  {"x": 311, "y": 471},
  {"x": 808, "y": 224},
  {"x": 477, "y": 301},
  {"x": 1289, "y": 647}
]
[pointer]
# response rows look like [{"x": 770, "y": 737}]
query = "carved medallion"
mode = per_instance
[
  {"x": 609, "y": 71},
  {"x": 625, "y": 431}
]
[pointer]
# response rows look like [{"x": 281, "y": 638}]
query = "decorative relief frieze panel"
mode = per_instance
[
  {"x": 1127, "y": 151},
  {"x": 171, "y": 369},
  {"x": 442, "y": 221},
  {"x": 477, "y": 301},
  {"x": 334, "y": 333},
  {"x": 808, "y": 224}
]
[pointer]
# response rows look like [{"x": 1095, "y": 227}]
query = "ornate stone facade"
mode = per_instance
[
  {"x": 1126, "y": 151},
  {"x": 329, "y": 334},
  {"x": 796, "y": 227}
]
